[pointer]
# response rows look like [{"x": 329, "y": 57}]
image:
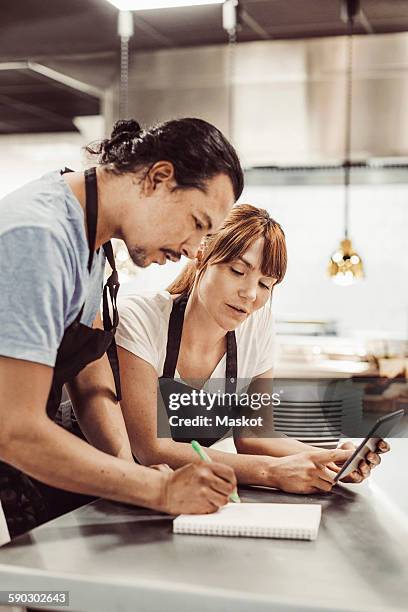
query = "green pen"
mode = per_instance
[{"x": 204, "y": 457}]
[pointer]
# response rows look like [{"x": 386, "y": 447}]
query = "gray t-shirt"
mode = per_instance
[{"x": 44, "y": 278}]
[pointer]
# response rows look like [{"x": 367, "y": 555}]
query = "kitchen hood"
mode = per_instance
[{"x": 287, "y": 98}]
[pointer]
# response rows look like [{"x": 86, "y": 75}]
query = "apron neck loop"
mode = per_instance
[
  {"x": 174, "y": 335},
  {"x": 111, "y": 287},
  {"x": 91, "y": 193},
  {"x": 175, "y": 331}
]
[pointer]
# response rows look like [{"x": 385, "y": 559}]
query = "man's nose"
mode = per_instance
[
  {"x": 189, "y": 252},
  {"x": 190, "y": 249}
]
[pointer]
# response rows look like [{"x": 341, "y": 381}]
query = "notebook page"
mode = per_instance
[{"x": 298, "y": 521}]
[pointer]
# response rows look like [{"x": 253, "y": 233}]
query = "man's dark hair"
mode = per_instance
[{"x": 197, "y": 150}]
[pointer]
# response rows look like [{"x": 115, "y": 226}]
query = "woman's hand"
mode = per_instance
[
  {"x": 305, "y": 472},
  {"x": 365, "y": 466}
]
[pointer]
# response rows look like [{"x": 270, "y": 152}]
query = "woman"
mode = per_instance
[
  {"x": 153, "y": 190},
  {"x": 214, "y": 322}
]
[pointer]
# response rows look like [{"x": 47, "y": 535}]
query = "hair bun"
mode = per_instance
[{"x": 126, "y": 127}]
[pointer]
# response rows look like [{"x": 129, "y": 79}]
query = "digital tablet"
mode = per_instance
[{"x": 380, "y": 430}]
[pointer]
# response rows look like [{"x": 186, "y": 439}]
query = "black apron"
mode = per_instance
[
  {"x": 205, "y": 435},
  {"x": 27, "y": 502}
]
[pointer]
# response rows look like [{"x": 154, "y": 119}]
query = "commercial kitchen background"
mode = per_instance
[{"x": 279, "y": 94}]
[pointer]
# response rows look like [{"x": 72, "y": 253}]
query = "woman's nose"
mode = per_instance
[{"x": 248, "y": 292}]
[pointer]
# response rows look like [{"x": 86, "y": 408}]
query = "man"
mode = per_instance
[{"x": 160, "y": 190}]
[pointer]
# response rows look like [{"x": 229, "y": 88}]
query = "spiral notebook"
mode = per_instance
[{"x": 293, "y": 521}]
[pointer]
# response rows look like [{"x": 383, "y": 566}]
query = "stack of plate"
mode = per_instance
[{"x": 318, "y": 412}]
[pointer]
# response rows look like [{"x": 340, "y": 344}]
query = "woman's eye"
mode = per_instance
[
  {"x": 265, "y": 286},
  {"x": 237, "y": 272},
  {"x": 198, "y": 225}
]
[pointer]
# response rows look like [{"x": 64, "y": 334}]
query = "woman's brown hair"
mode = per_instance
[{"x": 241, "y": 228}]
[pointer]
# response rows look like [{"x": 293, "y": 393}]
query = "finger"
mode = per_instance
[
  {"x": 333, "y": 467},
  {"x": 205, "y": 508},
  {"x": 224, "y": 471},
  {"x": 337, "y": 455},
  {"x": 347, "y": 446},
  {"x": 364, "y": 468},
  {"x": 220, "y": 486},
  {"x": 210, "y": 500},
  {"x": 209, "y": 479},
  {"x": 354, "y": 477},
  {"x": 216, "y": 499},
  {"x": 373, "y": 459},
  {"x": 382, "y": 446},
  {"x": 324, "y": 474},
  {"x": 322, "y": 485}
]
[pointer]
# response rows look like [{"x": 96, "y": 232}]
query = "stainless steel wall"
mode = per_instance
[{"x": 281, "y": 102}]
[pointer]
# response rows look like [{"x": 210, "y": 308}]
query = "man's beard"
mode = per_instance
[{"x": 138, "y": 256}]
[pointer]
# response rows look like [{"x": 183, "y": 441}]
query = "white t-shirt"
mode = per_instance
[{"x": 143, "y": 329}]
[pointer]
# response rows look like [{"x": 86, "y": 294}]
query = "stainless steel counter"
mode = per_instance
[{"x": 117, "y": 558}]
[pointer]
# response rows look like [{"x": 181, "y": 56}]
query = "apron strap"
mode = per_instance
[
  {"x": 231, "y": 369},
  {"x": 110, "y": 324},
  {"x": 174, "y": 340},
  {"x": 174, "y": 335},
  {"x": 112, "y": 284},
  {"x": 91, "y": 212},
  {"x": 91, "y": 194}
]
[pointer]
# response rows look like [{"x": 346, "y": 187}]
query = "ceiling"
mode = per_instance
[{"x": 83, "y": 33}]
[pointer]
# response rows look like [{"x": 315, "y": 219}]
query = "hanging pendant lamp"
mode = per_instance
[{"x": 345, "y": 266}]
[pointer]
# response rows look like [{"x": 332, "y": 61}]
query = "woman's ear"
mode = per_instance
[{"x": 200, "y": 252}]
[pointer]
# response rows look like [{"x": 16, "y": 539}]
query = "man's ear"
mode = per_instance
[{"x": 161, "y": 173}]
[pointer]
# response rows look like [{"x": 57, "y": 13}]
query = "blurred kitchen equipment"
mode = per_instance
[{"x": 318, "y": 412}]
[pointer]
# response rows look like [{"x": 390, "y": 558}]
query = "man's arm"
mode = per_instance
[
  {"x": 31, "y": 442},
  {"x": 99, "y": 414}
]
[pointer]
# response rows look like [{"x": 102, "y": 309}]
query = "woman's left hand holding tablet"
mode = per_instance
[{"x": 372, "y": 459}]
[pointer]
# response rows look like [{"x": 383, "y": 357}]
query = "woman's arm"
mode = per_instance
[
  {"x": 282, "y": 446},
  {"x": 303, "y": 474},
  {"x": 99, "y": 415}
]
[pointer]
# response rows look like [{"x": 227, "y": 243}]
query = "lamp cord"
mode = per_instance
[
  {"x": 230, "y": 84},
  {"x": 230, "y": 19},
  {"x": 124, "y": 77},
  {"x": 349, "y": 109}
]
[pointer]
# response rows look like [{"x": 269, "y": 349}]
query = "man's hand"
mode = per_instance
[
  {"x": 305, "y": 472},
  {"x": 197, "y": 488},
  {"x": 365, "y": 466}
]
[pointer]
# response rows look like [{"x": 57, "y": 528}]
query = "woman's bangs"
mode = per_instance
[
  {"x": 236, "y": 244},
  {"x": 246, "y": 224},
  {"x": 274, "y": 256}
]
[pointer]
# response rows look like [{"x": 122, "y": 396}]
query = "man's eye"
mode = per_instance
[
  {"x": 237, "y": 272},
  {"x": 198, "y": 225}
]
